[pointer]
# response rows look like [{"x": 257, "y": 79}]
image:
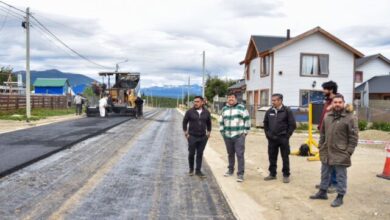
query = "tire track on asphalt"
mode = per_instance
[
  {"x": 35, "y": 191},
  {"x": 151, "y": 182}
]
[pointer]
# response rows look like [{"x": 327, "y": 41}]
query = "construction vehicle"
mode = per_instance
[{"x": 122, "y": 95}]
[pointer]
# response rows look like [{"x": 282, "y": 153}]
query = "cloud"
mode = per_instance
[
  {"x": 369, "y": 35},
  {"x": 254, "y": 8}
]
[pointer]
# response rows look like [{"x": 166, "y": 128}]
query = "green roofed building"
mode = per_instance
[{"x": 52, "y": 86}]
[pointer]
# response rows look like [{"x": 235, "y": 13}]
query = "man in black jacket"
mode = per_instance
[
  {"x": 197, "y": 133},
  {"x": 279, "y": 125}
]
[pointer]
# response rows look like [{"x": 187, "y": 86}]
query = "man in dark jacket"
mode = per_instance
[
  {"x": 197, "y": 128},
  {"x": 279, "y": 125},
  {"x": 338, "y": 139}
]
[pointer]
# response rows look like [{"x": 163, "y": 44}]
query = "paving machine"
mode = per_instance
[{"x": 121, "y": 96}]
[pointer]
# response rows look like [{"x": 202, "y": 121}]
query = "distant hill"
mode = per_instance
[
  {"x": 74, "y": 78},
  {"x": 171, "y": 91},
  {"x": 77, "y": 81}
]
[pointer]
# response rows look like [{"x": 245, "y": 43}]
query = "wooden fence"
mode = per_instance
[{"x": 12, "y": 102}]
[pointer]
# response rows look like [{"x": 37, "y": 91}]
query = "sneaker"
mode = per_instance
[
  {"x": 191, "y": 173},
  {"x": 270, "y": 177},
  {"x": 228, "y": 173},
  {"x": 240, "y": 178},
  {"x": 338, "y": 201},
  {"x": 321, "y": 194},
  {"x": 200, "y": 174},
  {"x": 286, "y": 179}
]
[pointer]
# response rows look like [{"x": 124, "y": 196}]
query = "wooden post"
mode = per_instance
[
  {"x": 8, "y": 102},
  {"x": 17, "y": 102}
]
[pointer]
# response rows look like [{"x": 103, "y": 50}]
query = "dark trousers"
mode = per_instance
[
  {"x": 341, "y": 177},
  {"x": 281, "y": 143},
  {"x": 79, "y": 108},
  {"x": 236, "y": 147},
  {"x": 196, "y": 145}
]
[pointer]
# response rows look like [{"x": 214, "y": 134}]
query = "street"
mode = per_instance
[{"x": 136, "y": 170}]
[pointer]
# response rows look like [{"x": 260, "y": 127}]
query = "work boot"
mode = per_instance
[
  {"x": 228, "y": 173},
  {"x": 286, "y": 179},
  {"x": 338, "y": 201},
  {"x": 200, "y": 174},
  {"x": 320, "y": 195},
  {"x": 270, "y": 177},
  {"x": 240, "y": 178},
  {"x": 191, "y": 173}
]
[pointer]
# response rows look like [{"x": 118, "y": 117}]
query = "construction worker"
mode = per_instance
[
  {"x": 139, "y": 102},
  {"x": 279, "y": 125},
  {"x": 329, "y": 90},
  {"x": 234, "y": 125},
  {"x": 103, "y": 102},
  {"x": 197, "y": 128},
  {"x": 338, "y": 140},
  {"x": 79, "y": 100}
]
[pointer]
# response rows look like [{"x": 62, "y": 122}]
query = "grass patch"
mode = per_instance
[{"x": 36, "y": 114}]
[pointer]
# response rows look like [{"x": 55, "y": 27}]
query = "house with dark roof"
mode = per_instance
[
  {"x": 297, "y": 66},
  {"x": 376, "y": 88},
  {"x": 239, "y": 89},
  {"x": 369, "y": 66},
  {"x": 52, "y": 86}
]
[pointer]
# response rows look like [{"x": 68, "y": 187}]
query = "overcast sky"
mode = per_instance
[{"x": 164, "y": 40}]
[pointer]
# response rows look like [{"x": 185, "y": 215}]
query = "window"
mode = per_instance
[
  {"x": 358, "y": 77},
  {"x": 314, "y": 64},
  {"x": 264, "y": 97},
  {"x": 266, "y": 66},
  {"x": 311, "y": 96}
]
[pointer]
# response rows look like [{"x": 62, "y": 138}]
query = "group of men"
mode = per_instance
[{"x": 338, "y": 138}]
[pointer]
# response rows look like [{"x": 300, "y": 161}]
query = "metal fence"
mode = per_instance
[
  {"x": 378, "y": 111},
  {"x": 11, "y": 102}
]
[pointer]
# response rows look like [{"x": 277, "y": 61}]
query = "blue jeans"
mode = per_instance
[{"x": 333, "y": 179}]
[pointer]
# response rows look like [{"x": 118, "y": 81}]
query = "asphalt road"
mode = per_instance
[
  {"x": 23, "y": 147},
  {"x": 132, "y": 171}
]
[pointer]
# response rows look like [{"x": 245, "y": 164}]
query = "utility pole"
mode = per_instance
[
  {"x": 188, "y": 91},
  {"x": 203, "y": 69},
  {"x": 28, "y": 89},
  {"x": 182, "y": 96}
]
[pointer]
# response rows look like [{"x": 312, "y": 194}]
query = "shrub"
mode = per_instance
[
  {"x": 302, "y": 126},
  {"x": 363, "y": 125},
  {"x": 383, "y": 126}
]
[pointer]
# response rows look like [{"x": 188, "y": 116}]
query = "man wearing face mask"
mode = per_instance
[
  {"x": 338, "y": 139},
  {"x": 197, "y": 128},
  {"x": 279, "y": 125}
]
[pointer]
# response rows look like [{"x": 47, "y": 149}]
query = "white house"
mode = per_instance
[
  {"x": 296, "y": 67},
  {"x": 370, "y": 66}
]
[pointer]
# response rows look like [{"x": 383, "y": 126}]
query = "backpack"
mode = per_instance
[{"x": 304, "y": 150}]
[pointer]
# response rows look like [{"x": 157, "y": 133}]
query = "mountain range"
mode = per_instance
[
  {"x": 79, "y": 82},
  {"x": 172, "y": 91}
]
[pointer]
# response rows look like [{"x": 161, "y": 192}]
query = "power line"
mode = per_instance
[
  {"x": 11, "y": 13},
  {"x": 4, "y": 21},
  {"x": 13, "y": 7},
  {"x": 65, "y": 45},
  {"x": 16, "y": 14}
]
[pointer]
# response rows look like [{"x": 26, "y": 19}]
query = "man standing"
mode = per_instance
[
  {"x": 197, "y": 128},
  {"x": 234, "y": 126},
  {"x": 338, "y": 139},
  {"x": 279, "y": 125},
  {"x": 78, "y": 100},
  {"x": 102, "y": 106},
  {"x": 139, "y": 102},
  {"x": 329, "y": 90}
]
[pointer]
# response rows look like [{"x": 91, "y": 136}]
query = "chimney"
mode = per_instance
[{"x": 288, "y": 34}]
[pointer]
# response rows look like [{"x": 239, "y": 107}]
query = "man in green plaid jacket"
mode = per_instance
[{"x": 234, "y": 123}]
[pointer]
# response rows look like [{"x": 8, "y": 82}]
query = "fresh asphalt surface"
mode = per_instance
[
  {"x": 136, "y": 170},
  {"x": 22, "y": 147}
]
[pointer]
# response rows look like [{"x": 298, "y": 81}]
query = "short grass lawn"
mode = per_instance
[{"x": 36, "y": 114}]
